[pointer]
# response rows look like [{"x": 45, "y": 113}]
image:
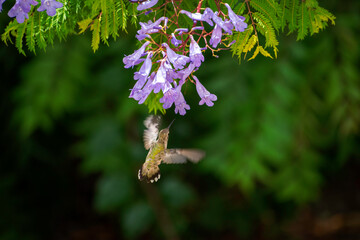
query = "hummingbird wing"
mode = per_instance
[
  {"x": 152, "y": 130},
  {"x": 178, "y": 155}
]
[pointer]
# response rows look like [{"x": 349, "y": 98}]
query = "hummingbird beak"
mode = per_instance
[{"x": 171, "y": 124}]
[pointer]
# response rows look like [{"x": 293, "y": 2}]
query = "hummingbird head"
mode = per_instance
[{"x": 164, "y": 133}]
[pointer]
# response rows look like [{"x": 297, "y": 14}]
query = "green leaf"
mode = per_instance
[
  {"x": 84, "y": 24},
  {"x": 241, "y": 39},
  {"x": 250, "y": 44},
  {"x": 20, "y": 33},
  {"x": 153, "y": 104},
  {"x": 267, "y": 11},
  {"x": 30, "y": 35},
  {"x": 95, "y": 35},
  {"x": 104, "y": 20},
  {"x": 292, "y": 15},
  {"x": 41, "y": 39},
  {"x": 265, "y": 28},
  {"x": 264, "y": 52},
  {"x": 10, "y": 29},
  {"x": 303, "y": 21},
  {"x": 256, "y": 52},
  {"x": 121, "y": 7}
]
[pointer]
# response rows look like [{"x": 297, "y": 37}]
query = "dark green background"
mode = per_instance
[{"x": 282, "y": 144}]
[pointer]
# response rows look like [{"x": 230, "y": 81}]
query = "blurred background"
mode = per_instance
[{"x": 282, "y": 144}]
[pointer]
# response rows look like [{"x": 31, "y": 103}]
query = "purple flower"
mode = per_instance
[
  {"x": 141, "y": 37},
  {"x": 50, "y": 6},
  {"x": 133, "y": 59},
  {"x": 144, "y": 71},
  {"x": 199, "y": 17},
  {"x": 186, "y": 72},
  {"x": 169, "y": 97},
  {"x": 226, "y": 26},
  {"x": 179, "y": 61},
  {"x": 180, "y": 103},
  {"x": 216, "y": 36},
  {"x": 229, "y": 25},
  {"x": 181, "y": 30},
  {"x": 174, "y": 41},
  {"x": 205, "y": 95},
  {"x": 237, "y": 20},
  {"x": 171, "y": 74},
  {"x": 146, "y": 4},
  {"x": 21, "y": 9},
  {"x": 150, "y": 27},
  {"x": 141, "y": 94},
  {"x": 195, "y": 53},
  {"x": 197, "y": 28},
  {"x": 26, "y": 4},
  {"x": 160, "y": 81},
  {"x": 1, "y": 3},
  {"x": 207, "y": 15}
]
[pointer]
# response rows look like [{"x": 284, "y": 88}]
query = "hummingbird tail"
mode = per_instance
[{"x": 150, "y": 175}]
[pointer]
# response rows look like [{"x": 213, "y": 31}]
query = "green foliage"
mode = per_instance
[
  {"x": 105, "y": 18},
  {"x": 52, "y": 89},
  {"x": 280, "y": 122},
  {"x": 266, "y": 18},
  {"x": 153, "y": 103}
]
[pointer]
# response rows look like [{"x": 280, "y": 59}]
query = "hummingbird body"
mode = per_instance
[
  {"x": 156, "y": 142},
  {"x": 152, "y": 161}
]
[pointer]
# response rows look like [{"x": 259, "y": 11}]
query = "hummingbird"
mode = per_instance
[{"x": 156, "y": 142}]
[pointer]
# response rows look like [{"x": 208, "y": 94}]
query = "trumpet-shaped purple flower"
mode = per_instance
[
  {"x": 180, "y": 105},
  {"x": 1, "y": 3},
  {"x": 141, "y": 94},
  {"x": 150, "y": 27},
  {"x": 133, "y": 59},
  {"x": 229, "y": 25},
  {"x": 50, "y": 6},
  {"x": 21, "y": 9},
  {"x": 179, "y": 61},
  {"x": 181, "y": 30},
  {"x": 216, "y": 36},
  {"x": 144, "y": 71},
  {"x": 169, "y": 97},
  {"x": 237, "y": 20},
  {"x": 171, "y": 74},
  {"x": 26, "y": 4},
  {"x": 175, "y": 41},
  {"x": 197, "y": 28},
  {"x": 207, "y": 15},
  {"x": 205, "y": 95},
  {"x": 199, "y": 17},
  {"x": 141, "y": 37},
  {"x": 160, "y": 81},
  {"x": 195, "y": 53},
  {"x": 226, "y": 26},
  {"x": 146, "y": 4},
  {"x": 183, "y": 74}
]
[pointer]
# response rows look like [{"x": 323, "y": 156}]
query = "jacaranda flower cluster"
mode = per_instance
[
  {"x": 168, "y": 65},
  {"x": 22, "y": 8}
]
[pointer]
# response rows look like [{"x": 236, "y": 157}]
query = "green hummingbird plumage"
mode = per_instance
[{"x": 156, "y": 143}]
